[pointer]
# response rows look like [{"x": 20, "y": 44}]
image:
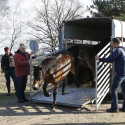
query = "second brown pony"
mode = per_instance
[{"x": 53, "y": 70}]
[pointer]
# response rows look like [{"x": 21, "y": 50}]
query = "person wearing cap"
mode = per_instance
[
  {"x": 22, "y": 69},
  {"x": 8, "y": 69},
  {"x": 118, "y": 57}
]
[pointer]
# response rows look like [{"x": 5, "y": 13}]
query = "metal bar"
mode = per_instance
[
  {"x": 100, "y": 67},
  {"x": 103, "y": 67},
  {"x": 100, "y": 54},
  {"x": 104, "y": 76},
  {"x": 102, "y": 97},
  {"x": 105, "y": 54},
  {"x": 103, "y": 49},
  {"x": 46, "y": 50},
  {"x": 105, "y": 70},
  {"x": 102, "y": 94},
  {"x": 30, "y": 77},
  {"x": 121, "y": 32},
  {"x": 103, "y": 82},
  {"x": 87, "y": 102},
  {"x": 101, "y": 90},
  {"x": 40, "y": 57},
  {"x": 96, "y": 83}
]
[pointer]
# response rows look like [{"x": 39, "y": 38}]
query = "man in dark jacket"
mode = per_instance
[
  {"x": 118, "y": 57},
  {"x": 9, "y": 70},
  {"x": 22, "y": 69}
]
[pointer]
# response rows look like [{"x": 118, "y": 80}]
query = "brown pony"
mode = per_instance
[{"x": 53, "y": 70}]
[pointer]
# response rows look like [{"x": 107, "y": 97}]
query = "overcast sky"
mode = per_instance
[
  {"x": 86, "y": 2},
  {"x": 28, "y": 5},
  {"x": 27, "y": 8}
]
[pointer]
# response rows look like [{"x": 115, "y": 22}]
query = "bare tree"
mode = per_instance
[
  {"x": 3, "y": 7},
  {"x": 50, "y": 19},
  {"x": 12, "y": 26},
  {"x": 3, "y": 11},
  {"x": 16, "y": 31}
]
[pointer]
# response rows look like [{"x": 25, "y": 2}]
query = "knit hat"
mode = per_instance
[{"x": 6, "y": 49}]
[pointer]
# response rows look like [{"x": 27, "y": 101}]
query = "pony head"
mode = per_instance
[{"x": 38, "y": 77}]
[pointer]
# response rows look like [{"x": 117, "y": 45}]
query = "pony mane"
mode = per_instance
[
  {"x": 48, "y": 63},
  {"x": 52, "y": 62}
]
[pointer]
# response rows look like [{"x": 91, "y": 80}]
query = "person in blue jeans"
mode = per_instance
[
  {"x": 118, "y": 57},
  {"x": 8, "y": 69}
]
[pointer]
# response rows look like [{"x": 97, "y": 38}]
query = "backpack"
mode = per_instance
[{"x": 11, "y": 61}]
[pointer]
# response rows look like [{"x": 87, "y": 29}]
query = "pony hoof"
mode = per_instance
[
  {"x": 63, "y": 93},
  {"x": 47, "y": 94},
  {"x": 54, "y": 107}
]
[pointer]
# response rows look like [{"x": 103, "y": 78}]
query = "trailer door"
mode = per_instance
[{"x": 102, "y": 75}]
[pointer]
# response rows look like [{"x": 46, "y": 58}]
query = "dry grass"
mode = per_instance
[{"x": 3, "y": 89}]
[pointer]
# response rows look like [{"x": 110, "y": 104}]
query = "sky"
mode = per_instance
[
  {"x": 27, "y": 10},
  {"x": 86, "y": 2},
  {"x": 28, "y": 5}
]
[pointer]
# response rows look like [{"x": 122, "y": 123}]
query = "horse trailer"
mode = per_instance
[{"x": 83, "y": 32}]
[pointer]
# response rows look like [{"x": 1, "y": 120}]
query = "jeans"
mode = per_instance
[
  {"x": 117, "y": 81},
  {"x": 10, "y": 73},
  {"x": 20, "y": 88}
]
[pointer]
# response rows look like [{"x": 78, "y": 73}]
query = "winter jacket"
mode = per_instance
[
  {"x": 5, "y": 61},
  {"x": 118, "y": 57},
  {"x": 22, "y": 67}
]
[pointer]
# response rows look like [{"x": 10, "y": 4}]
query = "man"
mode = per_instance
[
  {"x": 118, "y": 57},
  {"x": 8, "y": 69},
  {"x": 22, "y": 69}
]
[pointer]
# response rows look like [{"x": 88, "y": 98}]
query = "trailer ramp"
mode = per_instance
[{"x": 75, "y": 97}]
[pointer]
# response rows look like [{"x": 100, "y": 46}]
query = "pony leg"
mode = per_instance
[
  {"x": 63, "y": 87},
  {"x": 44, "y": 90},
  {"x": 92, "y": 77},
  {"x": 75, "y": 74},
  {"x": 56, "y": 86},
  {"x": 93, "y": 81}
]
